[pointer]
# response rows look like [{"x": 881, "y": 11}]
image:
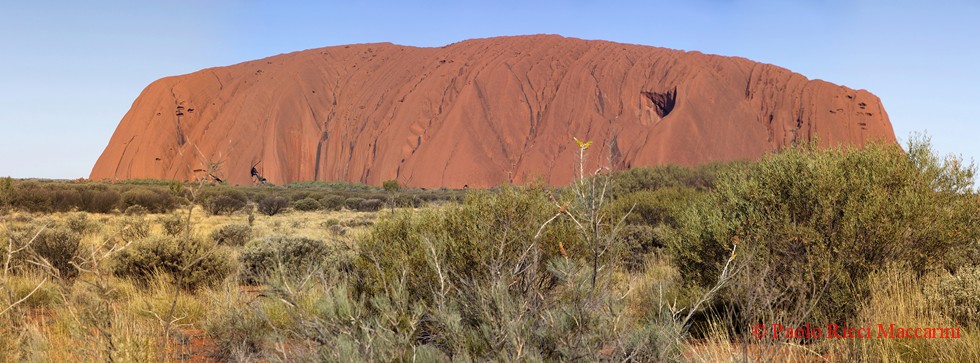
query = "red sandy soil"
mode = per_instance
[{"x": 480, "y": 112}]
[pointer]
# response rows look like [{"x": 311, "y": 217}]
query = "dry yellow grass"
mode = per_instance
[{"x": 60, "y": 322}]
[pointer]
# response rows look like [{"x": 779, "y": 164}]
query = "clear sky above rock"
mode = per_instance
[{"x": 69, "y": 71}]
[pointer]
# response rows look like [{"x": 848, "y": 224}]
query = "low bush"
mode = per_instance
[
  {"x": 391, "y": 186},
  {"x": 99, "y": 201},
  {"x": 60, "y": 247},
  {"x": 490, "y": 232},
  {"x": 132, "y": 228},
  {"x": 408, "y": 201},
  {"x": 958, "y": 295},
  {"x": 671, "y": 176},
  {"x": 217, "y": 201},
  {"x": 332, "y": 202},
  {"x": 189, "y": 263},
  {"x": 353, "y": 203},
  {"x": 136, "y": 210},
  {"x": 638, "y": 240},
  {"x": 80, "y": 223},
  {"x": 272, "y": 205},
  {"x": 238, "y": 329},
  {"x": 30, "y": 196},
  {"x": 654, "y": 208},
  {"x": 232, "y": 235},
  {"x": 307, "y": 204},
  {"x": 173, "y": 224},
  {"x": 370, "y": 205},
  {"x": 152, "y": 200},
  {"x": 288, "y": 256}
]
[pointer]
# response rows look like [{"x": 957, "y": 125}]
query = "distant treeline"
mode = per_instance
[{"x": 161, "y": 196}]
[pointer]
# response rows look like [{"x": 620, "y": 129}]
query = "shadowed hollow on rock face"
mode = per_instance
[{"x": 480, "y": 112}]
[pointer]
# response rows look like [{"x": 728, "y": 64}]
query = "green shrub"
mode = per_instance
[
  {"x": 190, "y": 263},
  {"x": 489, "y": 233},
  {"x": 390, "y": 186},
  {"x": 99, "y": 201},
  {"x": 155, "y": 201},
  {"x": 63, "y": 199},
  {"x": 299, "y": 195},
  {"x": 638, "y": 241},
  {"x": 353, "y": 203},
  {"x": 232, "y": 235},
  {"x": 79, "y": 223},
  {"x": 296, "y": 256},
  {"x": 132, "y": 228},
  {"x": 653, "y": 208},
  {"x": 222, "y": 200},
  {"x": 272, "y": 205},
  {"x": 959, "y": 295},
  {"x": 408, "y": 201},
  {"x": 59, "y": 246},
  {"x": 370, "y": 205},
  {"x": 813, "y": 224},
  {"x": 30, "y": 196},
  {"x": 671, "y": 176},
  {"x": 173, "y": 224},
  {"x": 332, "y": 202},
  {"x": 238, "y": 329},
  {"x": 307, "y": 204}
]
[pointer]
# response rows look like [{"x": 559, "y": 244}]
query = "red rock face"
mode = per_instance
[{"x": 481, "y": 113}]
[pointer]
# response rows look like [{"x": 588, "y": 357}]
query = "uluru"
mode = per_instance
[{"x": 481, "y": 112}]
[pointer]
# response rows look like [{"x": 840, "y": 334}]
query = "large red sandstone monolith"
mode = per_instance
[{"x": 480, "y": 112}]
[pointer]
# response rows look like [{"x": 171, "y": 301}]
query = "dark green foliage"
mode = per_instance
[
  {"x": 299, "y": 195},
  {"x": 288, "y": 256},
  {"x": 30, "y": 196},
  {"x": 59, "y": 246},
  {"x": 232, "y": 235},
  {"x": 153, "y": 200},
  {"x": 100, "y": 201},
  {"x": 815, "y": 224},
  {"x": 648, "y": 213},
  {"x": 353, "y": 203},
  {"x": 408, "y": 201},
  {"x": 189, "y": 263},
  {"x": 237, "y": 330},
  {"x": 391, "y": 186},
  {"x": 332, "y": 202},
  {"x": 490, "y": 232},
  {"x": 272, "y": 205},
  {"x": 653, "y": 208},
  {"x": 307, "y": 204},
  {"x": 637, "y": 241},
  {"x": 218, "y": 201},
  {"x": 370, "y": 205},
  {"x": 160, "y": 196},
  {"x": 670, "y": 176}
]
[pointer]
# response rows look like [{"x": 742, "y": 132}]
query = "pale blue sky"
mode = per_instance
[{"x": 69, "y": 70}]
